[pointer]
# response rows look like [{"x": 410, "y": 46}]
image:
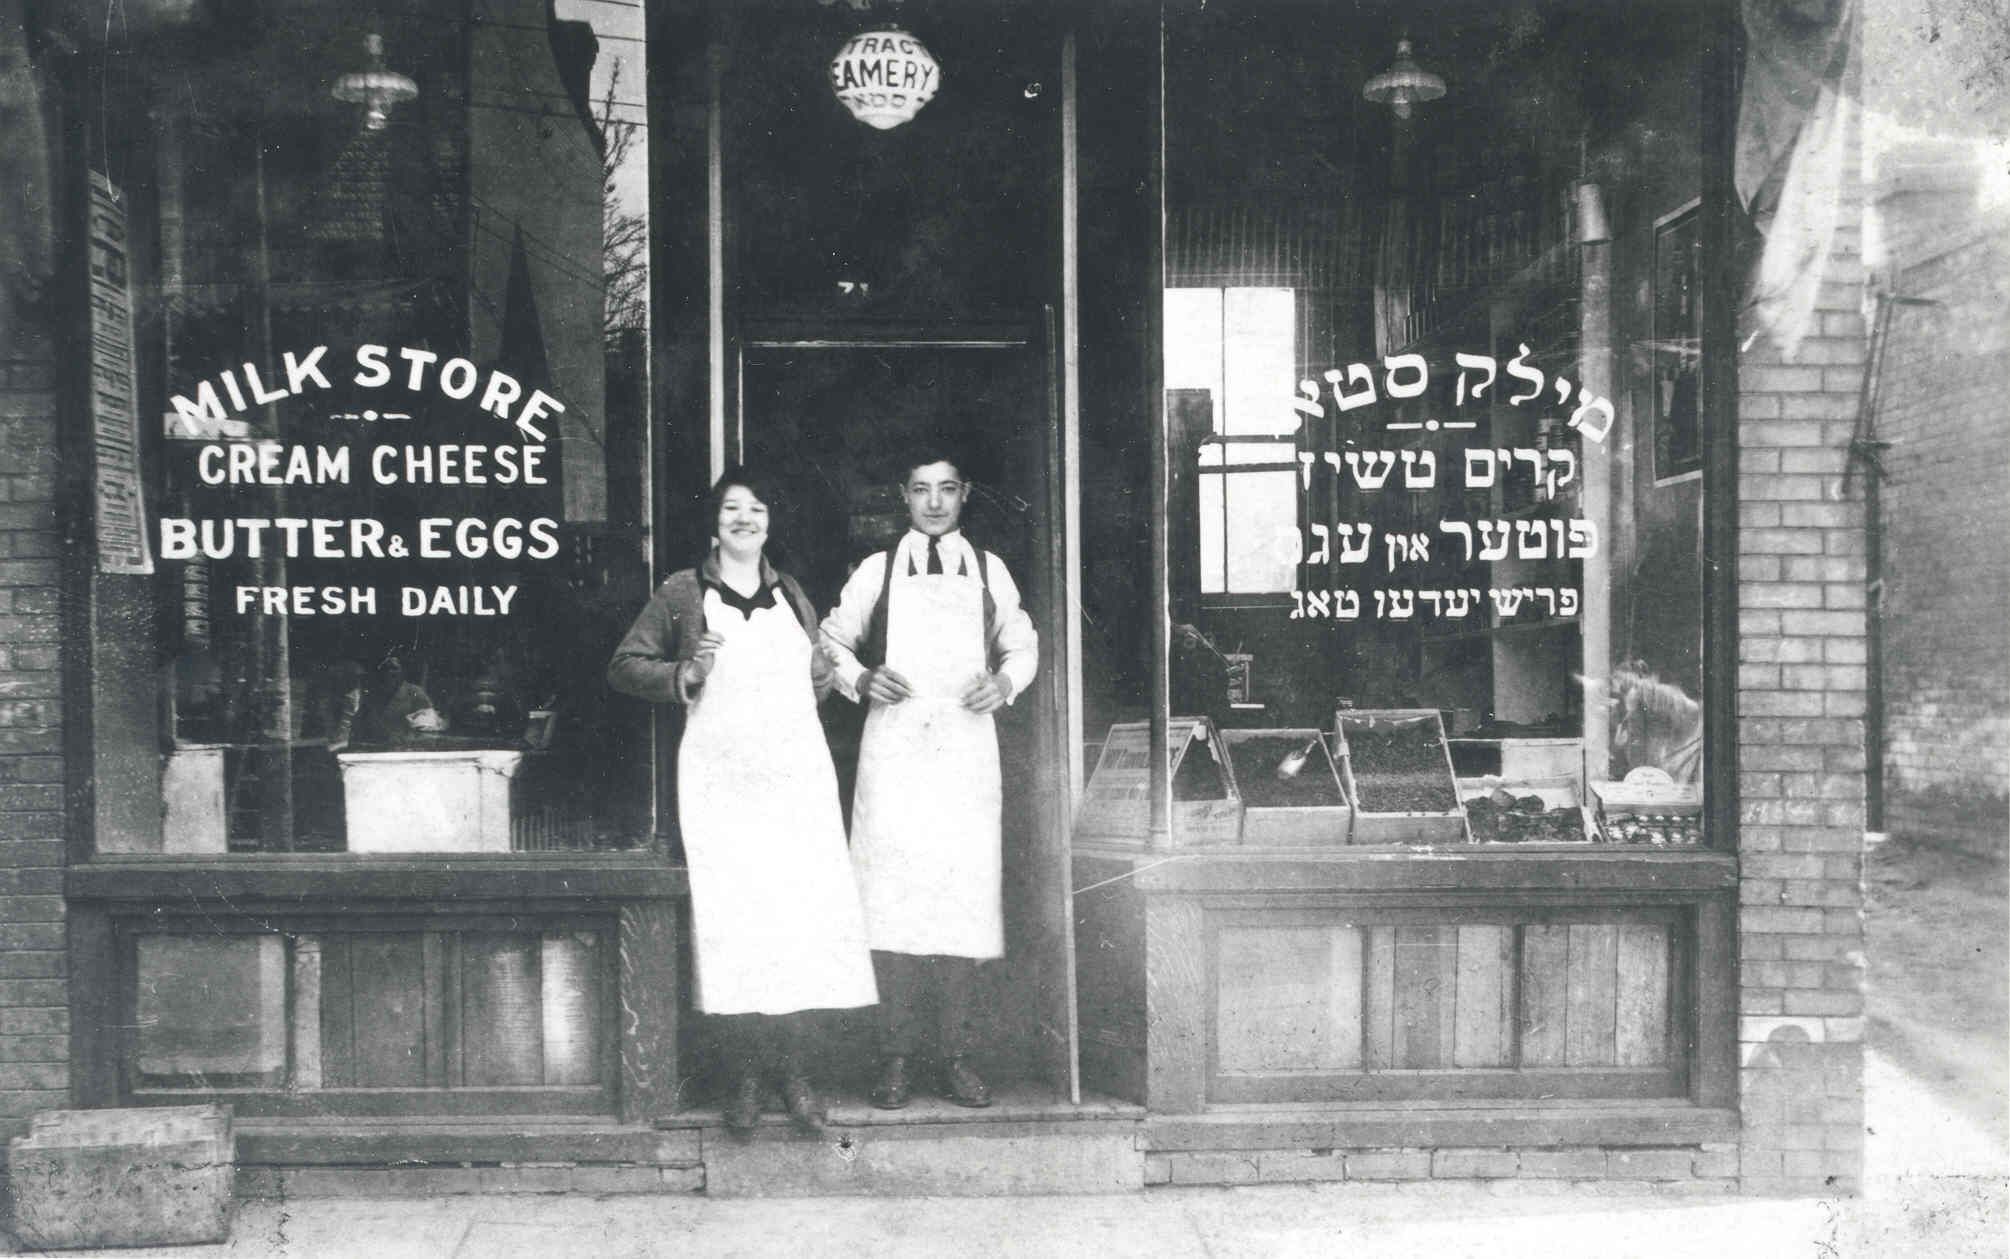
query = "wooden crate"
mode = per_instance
[
  {"x": 1116, "y": 806},
  {"x": 1371, "y": 826},
  {"x": 1281, "y": 825}
]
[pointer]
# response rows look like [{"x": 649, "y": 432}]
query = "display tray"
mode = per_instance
[
  {"x": 1538, "y": 811},
  {"x": 1206, "y": 806},
  {"x": 1648, "y": 809},
  {"x": 1398, "y": 774},
  {"x": 1301, "y": 810}
]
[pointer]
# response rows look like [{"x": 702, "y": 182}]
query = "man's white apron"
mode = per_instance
[
  {"x": 774, "y": 905},
  {"x": 925, "y": 836}
]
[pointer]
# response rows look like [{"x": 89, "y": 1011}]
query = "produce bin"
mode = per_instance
[
  {"x": 1531, "y": 811},
  {"x": 1398, "y": 776},
  {"x": 1307, "y": 809},
  {"x": 157, "y": 1176}
]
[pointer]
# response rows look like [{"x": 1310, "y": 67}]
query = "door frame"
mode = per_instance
[{"x": 1061, "y": 506}]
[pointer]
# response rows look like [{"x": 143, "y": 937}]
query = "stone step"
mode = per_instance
[{"x": 1023, "y": 1144}]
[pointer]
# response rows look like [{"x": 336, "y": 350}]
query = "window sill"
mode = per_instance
[
  {"x": 1471, "y": 868},
  {"x": 313, "y": 879}
]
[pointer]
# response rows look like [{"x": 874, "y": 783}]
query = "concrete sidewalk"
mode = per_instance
[
  {"x": 1937, "y": 1186},
  {"x": 1946, "y": 1218}
]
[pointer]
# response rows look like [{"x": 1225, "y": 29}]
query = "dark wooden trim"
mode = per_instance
[
  {"x": 1523, "y": 1123},
  {"x": 1714, "y": 1000},
  {"x": 651, "y": 939},
  {"x": 94, "y": 1059},
  {"x": 1721, "y": 288},
  {"x": 1378, "y": 913},
  {"x": 283, "y": 1144},
  {"x": 1430, "y": 1086},
  {"x": 310, "y": 882},
  {"x": 1468, "y": 871},
  {"x": 586, "y": 1100},
  {"x": 1153, "y": 320}
]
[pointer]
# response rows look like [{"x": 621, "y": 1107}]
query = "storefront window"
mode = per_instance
[
  {"x": 384, "y": 282},
  {"x": 1432, "y": 399}
]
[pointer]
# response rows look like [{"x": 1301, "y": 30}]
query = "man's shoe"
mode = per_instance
[
  {"x": 806, "y": 1109},
  {"x": 961, "y": 1084},
  {"x": 743, "y": 1109},
  {"x": 891, "y": 1093}
]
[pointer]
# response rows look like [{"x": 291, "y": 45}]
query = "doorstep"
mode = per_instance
[{"x": 1024, "y": 1143}]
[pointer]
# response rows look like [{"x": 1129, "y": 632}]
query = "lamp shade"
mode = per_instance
[
  {"x": 375, "y": 88},
  {"x": 884, "y": 77},
  {"x": 1403, "y": 83}
]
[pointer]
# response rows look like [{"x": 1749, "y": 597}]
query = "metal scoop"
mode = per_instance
[{"x": 1294, "y": 765}]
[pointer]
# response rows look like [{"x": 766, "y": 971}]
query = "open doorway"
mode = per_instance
[{"x": 831, "y": 420}]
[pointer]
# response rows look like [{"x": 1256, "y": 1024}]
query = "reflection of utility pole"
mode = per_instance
[
  {"x": 1867, "y": 449},
  {"x": 272, "y": 706}
]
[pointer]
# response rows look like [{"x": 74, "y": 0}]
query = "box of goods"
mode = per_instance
[
  {"x": 1290, "y": 787},
  {"x": 1537, "y": 811},
  {"x": 1206, "y": 806},
  {"x": 157, "y": 1176},
  {"x": 1650, "y": 808},
  {"x": 1397, "y": 773},
  {"x": 429, "y": 801}
]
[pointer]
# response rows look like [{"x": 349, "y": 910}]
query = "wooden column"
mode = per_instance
[
  {"x": 651, "y": 938},
  {"x": 1160, "y": 476}
]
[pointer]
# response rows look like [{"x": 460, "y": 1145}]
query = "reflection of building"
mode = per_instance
[
  {"x": 1009, "y": 266},
  {"x": 1945, "y": 719}
]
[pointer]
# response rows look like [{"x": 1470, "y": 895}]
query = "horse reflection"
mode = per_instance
[{"x": 1656, "y": 723}]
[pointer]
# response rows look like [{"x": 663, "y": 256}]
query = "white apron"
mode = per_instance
[
  {"x": 925, "y": 836},
  {"x": 774, "y": 904}
]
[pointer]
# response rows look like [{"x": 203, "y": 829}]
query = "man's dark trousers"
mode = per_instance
[{"x": 908, "y": 984}]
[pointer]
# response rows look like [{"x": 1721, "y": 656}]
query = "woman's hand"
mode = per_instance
[{"x": 699, "y": 666}]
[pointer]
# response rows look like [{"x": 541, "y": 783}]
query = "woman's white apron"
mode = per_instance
[
  {"x": 774, "y": 904},
  {"x": 925, "y": 836}
]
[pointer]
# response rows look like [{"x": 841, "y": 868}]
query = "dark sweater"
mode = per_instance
[{"x": 669, "y": 629}]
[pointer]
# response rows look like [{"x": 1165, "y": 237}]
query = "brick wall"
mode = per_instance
[
  {"x": 1801, "y": 703},
  {"x": 1945, "y": 386},
  {"x": 34, "y": 1015}
]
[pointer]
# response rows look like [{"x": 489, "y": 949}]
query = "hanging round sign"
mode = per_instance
[{"x": 884, "y": 77}]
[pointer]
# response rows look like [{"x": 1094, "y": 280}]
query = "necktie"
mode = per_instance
[{"x": 934, "y": 557}]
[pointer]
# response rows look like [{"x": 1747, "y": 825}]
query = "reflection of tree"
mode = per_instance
[{"x": 625, "y": 260}]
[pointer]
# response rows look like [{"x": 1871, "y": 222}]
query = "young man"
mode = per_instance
[{"x": 932, "y": 637}]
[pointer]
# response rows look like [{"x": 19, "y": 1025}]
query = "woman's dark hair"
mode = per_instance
[{"x": 761, "y": 486}]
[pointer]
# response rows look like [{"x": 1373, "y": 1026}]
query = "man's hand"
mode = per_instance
[
  {"x": 885, "y": 686},
  {"x": 987, "y": 693},
  {"x": 699, "y": 666}
]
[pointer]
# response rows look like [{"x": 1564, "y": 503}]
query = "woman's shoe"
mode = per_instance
[
  {"x": 806, "y": 1109},
  {"x": 743, "y": 1109},
  {"x": 891, "y": 1091}
]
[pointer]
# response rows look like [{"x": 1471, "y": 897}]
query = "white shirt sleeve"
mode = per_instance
[
  {"x": 1012, "y": 636},
  {"x": 844, "y": 628}
]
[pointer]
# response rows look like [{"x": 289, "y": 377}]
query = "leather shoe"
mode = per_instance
[
  {"x": 806, "y": 1109},
  {"x": 892, "y": 1090},
  {"x": 962, "y": 1085},
  {"x": 743, "y": 1109}
]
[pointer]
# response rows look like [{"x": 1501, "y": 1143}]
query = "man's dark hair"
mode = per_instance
[{"x": 932, "y": 452}]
